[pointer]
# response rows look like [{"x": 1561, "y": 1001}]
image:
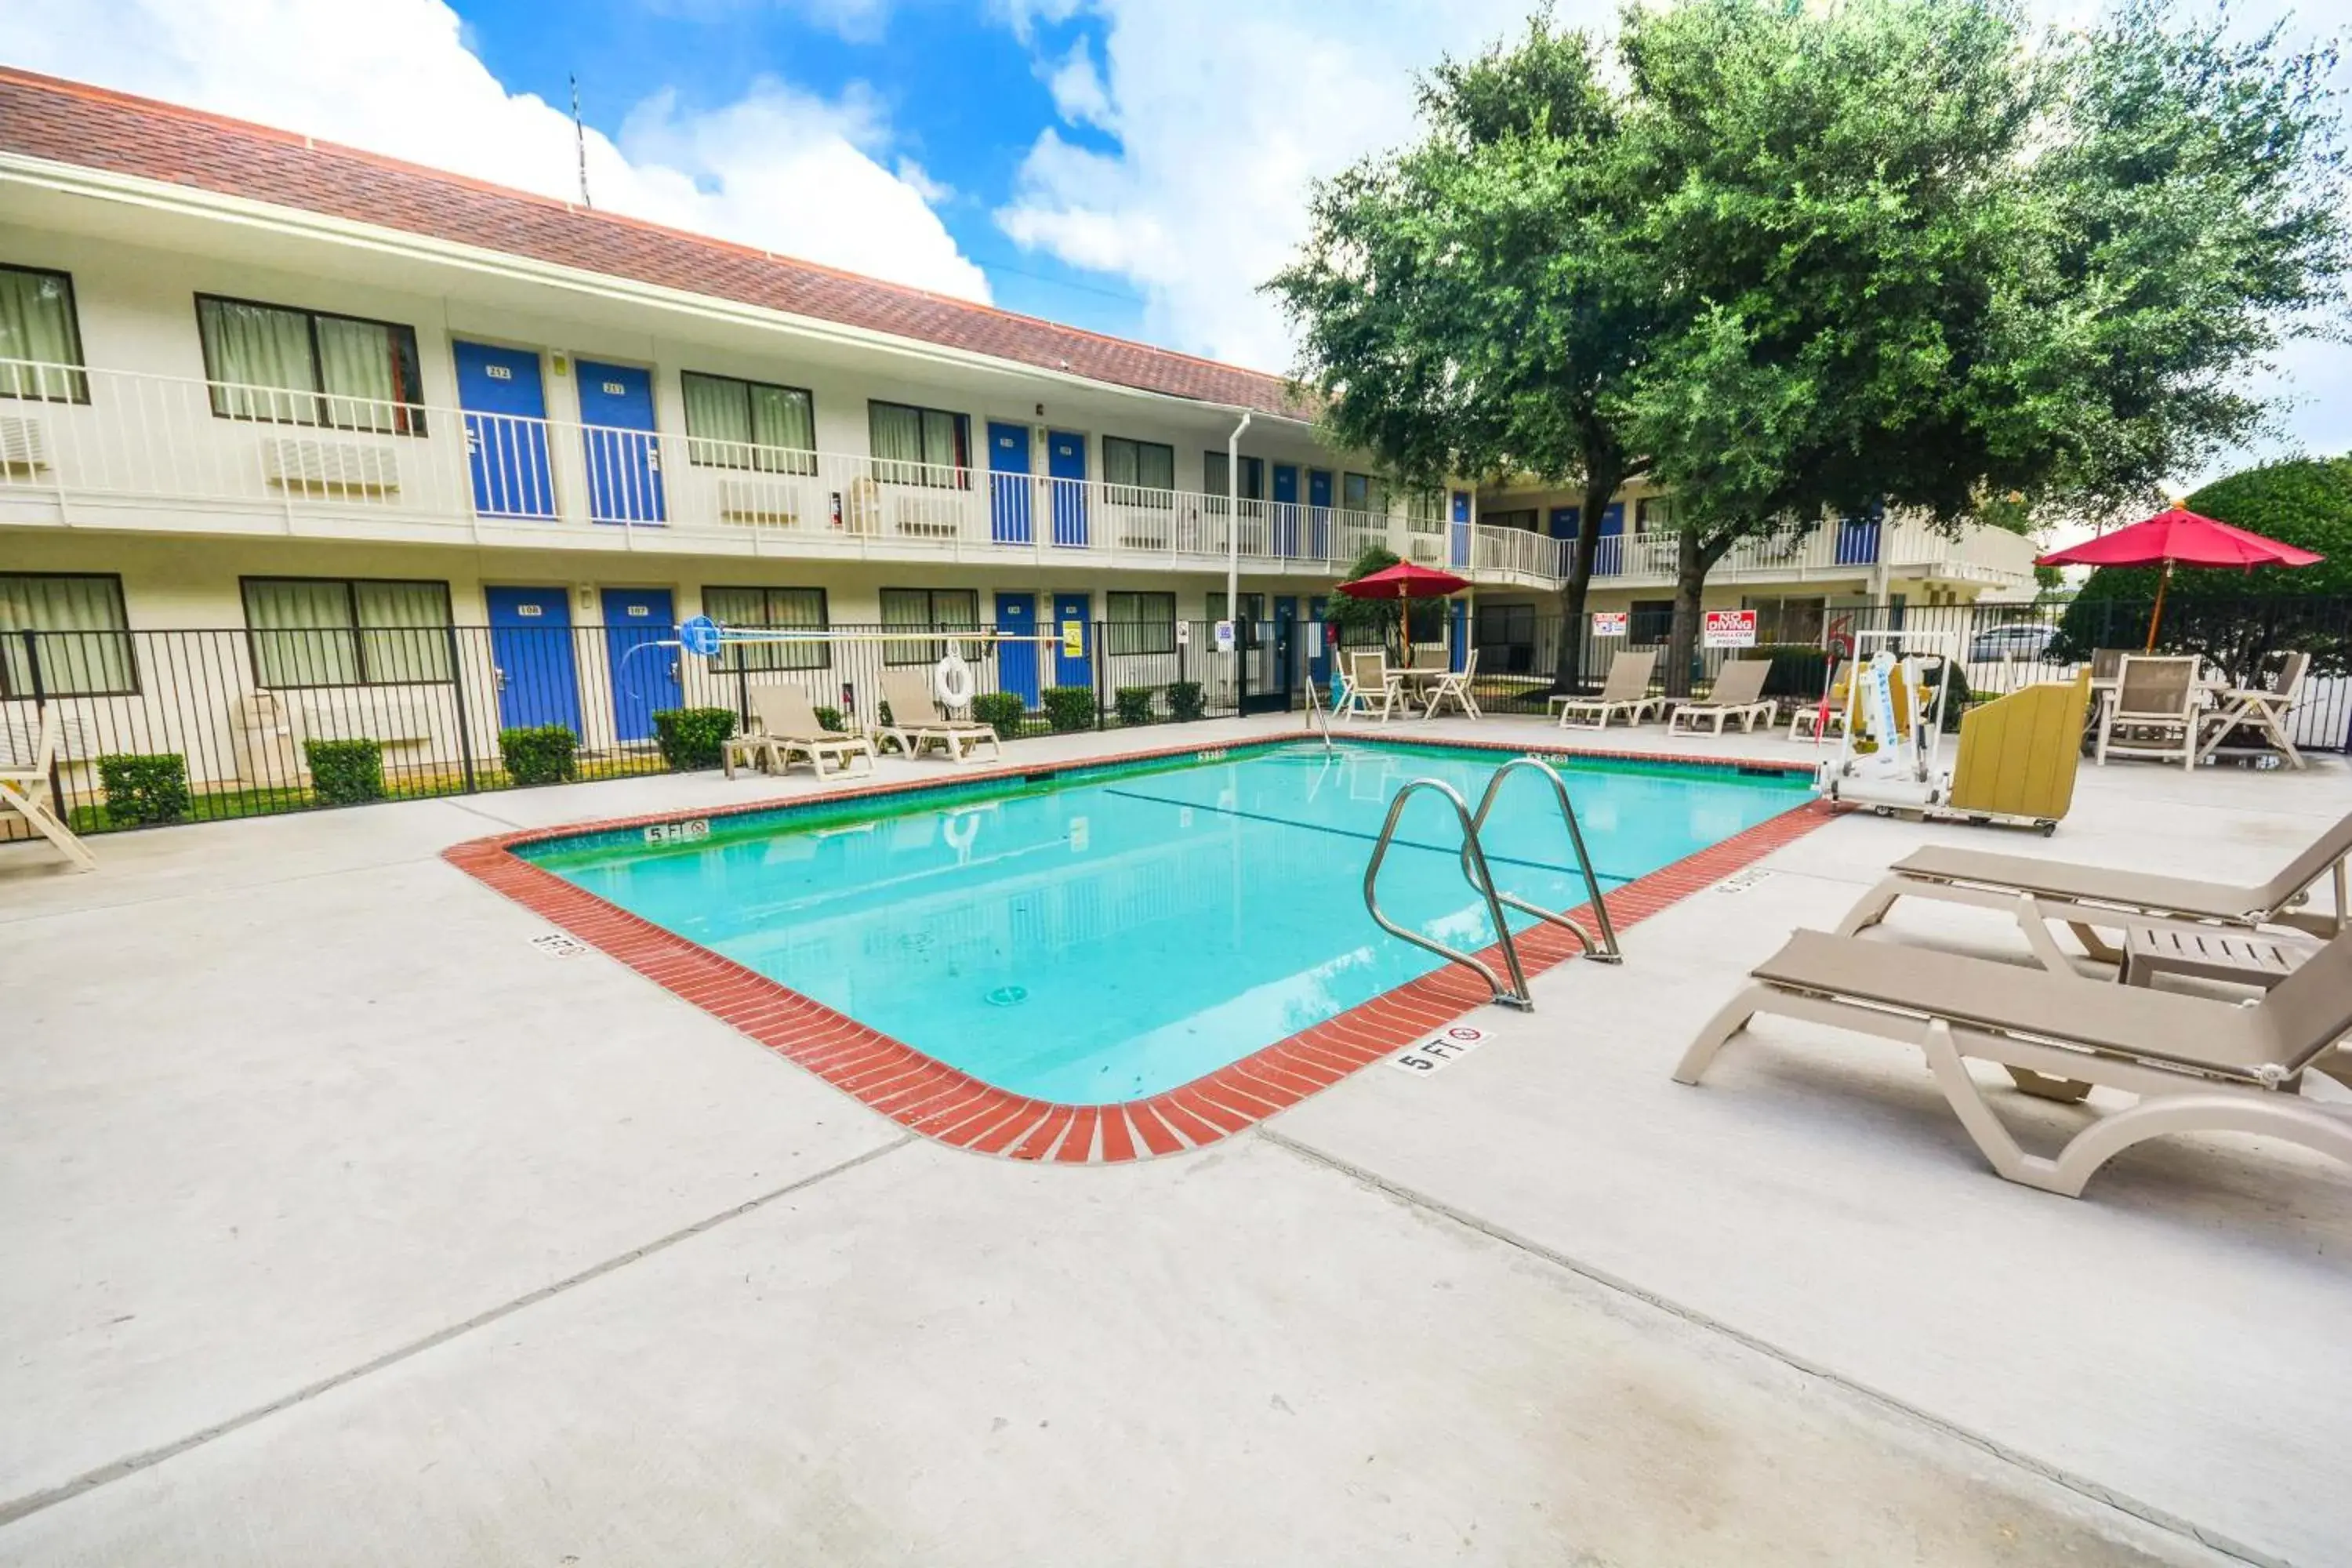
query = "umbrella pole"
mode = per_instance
[{"x": 2156, "y": 615}]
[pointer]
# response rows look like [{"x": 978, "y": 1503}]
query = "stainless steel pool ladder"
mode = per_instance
[
  {"x": 1316, "y": 710},
  {"x": 1481, "y": 878}
]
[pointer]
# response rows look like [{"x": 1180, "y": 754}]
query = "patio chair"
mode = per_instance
[
  {"x": 1626, "y": 689},
  {"x": 792, "y": 731},
  {"x": 2196, "y": 1064},
  {"x": 2261, "y": 710},
  {"x": 25, "y": 790},
  {"x": 915, "y": 722},
  {"x": 1814, "y": 723},
  {"x": 2107, "y": 663},
  {"x": 1453, "y": 687},
  {"x": 2092, "y": 898},
  {"x": 1739, "y": 693},
  {"x": 1374, "y": 689},
  {"x": 2154, "y": 713}
]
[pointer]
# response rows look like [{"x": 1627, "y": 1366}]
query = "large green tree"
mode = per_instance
[
  {"x": 1473, "y": 305},
  {"x": 1896, "y": 252}
]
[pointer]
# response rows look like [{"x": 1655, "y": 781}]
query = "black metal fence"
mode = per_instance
[{"x": 193, "y": 725}]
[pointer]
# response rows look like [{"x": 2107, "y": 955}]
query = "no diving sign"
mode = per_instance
[{"x": 1439, "y": 1049}]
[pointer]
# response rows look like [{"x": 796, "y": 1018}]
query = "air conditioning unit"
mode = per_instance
[
  {"x": 329, "y": 467},
  {"x": 23, "y": 446},
  {"x": 759, "y": 502}
]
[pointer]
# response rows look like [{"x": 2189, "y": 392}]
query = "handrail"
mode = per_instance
[
  {"x": 1603, "y": 952},
  {"x": 1321, "y": 715},
  {"x": 1474, "y": 867}
]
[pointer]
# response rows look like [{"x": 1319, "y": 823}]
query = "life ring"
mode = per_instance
[{"x": 952, "y": 681}]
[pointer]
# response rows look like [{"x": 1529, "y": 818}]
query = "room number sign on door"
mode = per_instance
[{"x": 1439, "y": 1049}]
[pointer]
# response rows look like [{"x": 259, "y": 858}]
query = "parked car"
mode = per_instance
[{"x": 2026, "y": 640}]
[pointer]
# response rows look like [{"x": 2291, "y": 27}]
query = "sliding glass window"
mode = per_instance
[
  {"x": 306, "y": 367},
  {"x": 733, "y": 424}
]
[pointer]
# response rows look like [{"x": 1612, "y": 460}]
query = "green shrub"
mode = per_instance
[
  {"x": 1001, "y": 711},
  {"x": 1186, "y": 701},
  {"x": 830, "y": 718},
  {"x": 691, "y": 738},
  {"x": 1134, "y": 704},
  {"x": 540, "y": 754},
  {"x": 1069, "y": 708},
  {"x": 345, "y": 773},
  {"x": 1962, "y": 697},
  {"x": 1797, "y": 668},
  {"x": 145, "y": 791}
]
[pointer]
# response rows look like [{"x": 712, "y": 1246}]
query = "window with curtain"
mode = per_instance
[
  {"x": 1214, "y": 471},
  {"x": 306, "y": 367},
  {"x": 1362, "y": 493},
  {"x": 1522, "y": 518},
  {"x": 1425, "y": 512},
  {"x": 1139, "y": 623},
  {"x": 81, "y": 645},
  {"x": 40, "y": 338},
  {"x": 733, "y": 424},
  {"x": 1653, "y": 514},
  {"x": 920, "y": 446},
  {"x": 929, "y": 609},
  {"x": 1140, "y": 465},
  {"x": 310, "y": 631},
  {"x": 792, "y": 609}
]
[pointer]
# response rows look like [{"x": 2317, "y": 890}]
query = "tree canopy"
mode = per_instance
[{"x": 1793, "y": 261}]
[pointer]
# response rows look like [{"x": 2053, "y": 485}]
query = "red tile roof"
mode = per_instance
[{"x": 73, "y": 122}]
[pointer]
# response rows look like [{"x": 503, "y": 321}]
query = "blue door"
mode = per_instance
[
  {"x": 1068, "y": 670},
  {"x": 1286, "y": 646},
  {"x": 506, "y": 430},
  {"x": 1017, "y": 662},
  {"x": 645, "y": 678},
  {"x": 625, "y": 481},
  {"x": 1286, "y": 509},
  {"x": 1609, "y": 560},
  {"x": 1008, "y": 483},
  {"x": 1323, "y": 650},
  {"x": 1459, "y": 642},
  {"x": 1857, "y": 539},
  {"x": 1065, "y": 465},
  {"x": 1461, "y": 529},
  {"x": 530, "y": 655},
  {"x": 1318, "y": 513}
]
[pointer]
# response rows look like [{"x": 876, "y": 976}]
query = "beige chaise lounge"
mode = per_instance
[
  {"x": 1626, "y": 691},
  {"x": 794, "y": 733},
  {"x": 915, "y": 721},
  {"x": 2196, "y": 1064},
  {"x": 1739, "y": 693},
  {"x": 2090, "y": 898},
  {"x": 24, "y": 791}
]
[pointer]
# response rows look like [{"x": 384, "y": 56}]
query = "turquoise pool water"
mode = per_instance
[{"x": 1112, "y": 933}]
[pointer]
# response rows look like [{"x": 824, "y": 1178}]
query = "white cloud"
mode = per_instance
[
  {"x": 1079, "y": 95},
  {"x": 777, "y": 169}
]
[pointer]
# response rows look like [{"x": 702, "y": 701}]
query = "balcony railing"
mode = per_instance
[
  {"x": 88, "y": 439},
  {"x": 1833, "y": 550}
]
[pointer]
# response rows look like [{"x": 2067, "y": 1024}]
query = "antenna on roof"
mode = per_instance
[{"x": 580, "y": 141}]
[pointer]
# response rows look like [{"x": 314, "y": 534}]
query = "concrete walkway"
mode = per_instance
[{"x": 345, "y": 1227}]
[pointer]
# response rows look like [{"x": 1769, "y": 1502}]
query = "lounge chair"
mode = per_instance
[
  {"x": 2198, "y": 1065},
  {"x": 25, "y": 790},
  {"x": 2088, "y": 898},
  {"x": 915, "y": 721},
  {"x": 1626, "y": 691},
  {"x": 1739, "y": 693},
  {"x": 1816, "y": 722},
  {"x": 2259, "y": 709},
  {"x": 793, "y": 731},
  {"x": 1453, "y": 687},
  {"x": 1374, "y": 689},
  {"x": 2154, "y": 710}
]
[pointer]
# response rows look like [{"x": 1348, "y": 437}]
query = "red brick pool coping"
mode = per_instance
[{"x": 939, "y": 1101}]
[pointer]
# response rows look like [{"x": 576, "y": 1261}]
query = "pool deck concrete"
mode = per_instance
[{"x": 346, "y": 1226}]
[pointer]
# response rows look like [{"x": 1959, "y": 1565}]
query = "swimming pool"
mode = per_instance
[{"x": 1105, "y": 933}]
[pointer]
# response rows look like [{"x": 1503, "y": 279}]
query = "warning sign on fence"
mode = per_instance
[
  {"x": 1730, "y": 628},
  {"x": 1608, "y": 623}
]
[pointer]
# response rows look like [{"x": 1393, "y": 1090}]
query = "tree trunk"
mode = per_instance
[
  {"x": 1693, "y": 558},
  {"x": 1600, "y": 483}
]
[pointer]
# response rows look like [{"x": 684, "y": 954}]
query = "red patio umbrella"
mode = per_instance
[
  {"x": 1401, "y": 581},
  {"x": 2178, "y": 536}
]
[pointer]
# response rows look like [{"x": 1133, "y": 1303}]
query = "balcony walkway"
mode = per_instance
[{"x": 346, "y": 1226}]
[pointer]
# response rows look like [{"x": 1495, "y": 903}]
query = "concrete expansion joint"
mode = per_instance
[
  {"x": 1876, "y": 1400},
  {"x": 15, "y": 1509}
]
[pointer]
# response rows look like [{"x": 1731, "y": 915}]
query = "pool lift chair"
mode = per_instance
[{"x": 1599, "y": 945}]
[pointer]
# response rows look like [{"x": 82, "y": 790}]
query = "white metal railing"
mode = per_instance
[
  {"x": 1515, "y": 552},
  {"x": 1987, "y": 554},
  {"x": 76, "y": 437}
]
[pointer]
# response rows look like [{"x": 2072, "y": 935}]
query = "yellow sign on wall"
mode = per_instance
[{"x": 1073, "y": 639}]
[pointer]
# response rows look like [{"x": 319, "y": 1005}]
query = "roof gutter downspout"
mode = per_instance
[{"x": 1234, "y": 523}]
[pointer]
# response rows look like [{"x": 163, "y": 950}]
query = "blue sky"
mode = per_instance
[{"x": 1138, "y": 167}]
